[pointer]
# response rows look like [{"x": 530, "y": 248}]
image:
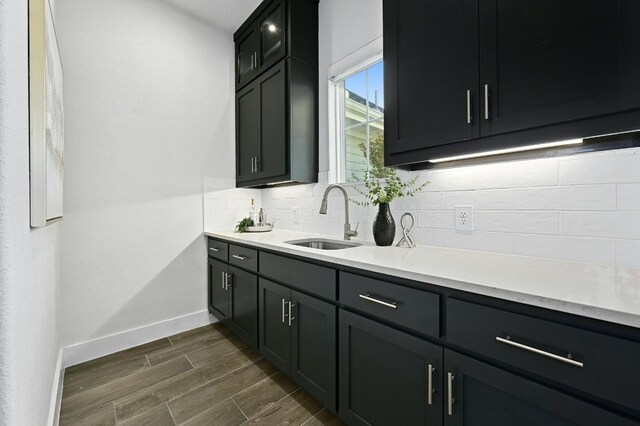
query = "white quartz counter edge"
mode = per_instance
[{"x": 602, "y": 292}]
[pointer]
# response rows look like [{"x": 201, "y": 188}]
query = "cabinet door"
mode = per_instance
[
  {"x": 247, "y": 56},
  {"x": 272, "y": 35},
  {"x": 273, "y": 122},
  {"x": 485, "y": 395},
  {"x": 218, "y": 292},
  {"x": 547, "y": 61},
  {"x": 247, "y": 132},
  {"x": 430, "y": 73},
  {"x": 385, "y": 375},
  {"x": 275, "y": 333},
  {"x": 244, "y": 305},
  {"x": 313, "y": 348}
]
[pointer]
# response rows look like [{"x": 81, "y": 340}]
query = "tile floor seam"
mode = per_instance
[
  {"x": 115, "y": 414},
  {"x": 255, "y": 384},
  {"x": 236, "y": 404},
  {"x": 171, "y": 414},
  {"x": 273, "y": 403},
  {"x": 187, "y": 353},
  {"x": 198, "y": 387},
  {"x": 315, "y": 416},
  {"x": 207, "y": 347}
]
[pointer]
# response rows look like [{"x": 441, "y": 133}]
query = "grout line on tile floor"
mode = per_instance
[
  {"x": 273, "y": 403},
  {"x": 172, "y": 418},
  {"x": 243, "y": 413}
]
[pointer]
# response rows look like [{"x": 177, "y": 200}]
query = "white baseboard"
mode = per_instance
[
  {"x": 56, "y": 392},
  {"x": 85, "y": 351}
]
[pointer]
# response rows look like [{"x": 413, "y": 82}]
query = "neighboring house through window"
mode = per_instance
[{"x": 358, "y": 114}]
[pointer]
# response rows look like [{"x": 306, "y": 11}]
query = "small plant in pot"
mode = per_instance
[{"x": 383, "y": 186}]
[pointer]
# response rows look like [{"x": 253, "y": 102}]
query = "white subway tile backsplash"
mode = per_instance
[
  {"x": 629, "y": 196},
  {"x": 442, "y": 219},
  {"x": 594, "y": 250},
  {"x": 625, "y": 225},
  {"x": 628, "y": 253},
  {"x": 519, "y": 221},
  {"x": 482, "y": 241},
  {"x": 609, "y": 167},
  {"x": 583, "y": 208},
  {"x": 592, "y": 197},
  {"x": 495, "y": 199}
]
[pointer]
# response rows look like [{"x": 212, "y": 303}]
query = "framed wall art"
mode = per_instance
[{"x": 46, "y": 117}]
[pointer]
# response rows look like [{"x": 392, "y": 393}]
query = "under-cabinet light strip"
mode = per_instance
[{"x": 507, "y": 150}]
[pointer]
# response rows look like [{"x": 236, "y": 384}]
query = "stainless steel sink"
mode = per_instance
[{"x": 324, "y": 244}]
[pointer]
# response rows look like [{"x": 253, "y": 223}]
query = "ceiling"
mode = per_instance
[{"x": 225, "y": 14}]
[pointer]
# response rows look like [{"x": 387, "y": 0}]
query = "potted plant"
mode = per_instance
[{"x": 383, "y": 185}]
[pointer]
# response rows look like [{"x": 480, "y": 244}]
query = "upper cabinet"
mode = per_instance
[
  {"x": 467, "y": 76},
  {"x": 277, "y": 69}
]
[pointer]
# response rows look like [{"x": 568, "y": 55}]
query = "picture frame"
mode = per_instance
[{"x": 46, "y": 117}]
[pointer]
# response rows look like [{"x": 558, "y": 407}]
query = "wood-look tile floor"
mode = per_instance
[{"x": 204, "y": 376}]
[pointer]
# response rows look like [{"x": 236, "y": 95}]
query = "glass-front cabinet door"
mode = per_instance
[
  {"x": 272, "y": 35},
  {"x": 247, "y": 56}
]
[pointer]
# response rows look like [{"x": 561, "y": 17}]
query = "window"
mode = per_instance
[{"x": 359, "y": 124}]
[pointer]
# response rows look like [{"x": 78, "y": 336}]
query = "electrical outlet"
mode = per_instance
[
  {"x": 464, "y": 218},
  {"x": 294, "y": 215}
]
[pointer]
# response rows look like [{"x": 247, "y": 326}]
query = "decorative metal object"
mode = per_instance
[{"x": 406, "y": 222}]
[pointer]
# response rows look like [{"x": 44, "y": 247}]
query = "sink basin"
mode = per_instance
[{"x": 324, "y": 244}]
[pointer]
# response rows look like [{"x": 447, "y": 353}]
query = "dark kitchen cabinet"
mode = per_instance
[
  {"x": 233, "y": 299},
  {"x": 479, "y": 394},
  {"x": 387, "y": 377},
  {"x": 219, "y": 300},
  {"x": 247, "y": 46},
  {"x": 544, "y": 61},
  {"x": 261, "y": 127},
  {"x": 244, "y": 303},
  {"x": 275, "y": 335},
  {"x": 469, "y": 76},
  {"x": 276, "y": 143},
  {"x": 272, "y": 30},
  {"x": 298, "y": 334},
  {"x": 431, "y": 73},
  {"x": 277, "y": 94}
]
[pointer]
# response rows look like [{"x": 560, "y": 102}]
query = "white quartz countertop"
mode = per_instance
[{"x": 604, "y": 292}]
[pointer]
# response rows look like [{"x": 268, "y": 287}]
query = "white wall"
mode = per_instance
[
  {"x": 29, "y": 274},
  {"x": 149, "y": 112}
]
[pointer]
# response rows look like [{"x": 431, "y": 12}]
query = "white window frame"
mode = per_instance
[{"x": 353, "y": 63}]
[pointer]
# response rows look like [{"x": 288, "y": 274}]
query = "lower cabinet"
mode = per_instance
[
  {"x": 479, "y": 394},
  {"x": 219, "y": 299},
  {"x": 233, "y": 299},
  {"x": 244, "y": 305},
  {"x": 298, "y": 335},
  {"x": 387, "y": 377}
]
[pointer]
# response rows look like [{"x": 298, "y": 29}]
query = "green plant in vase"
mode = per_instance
[{"x": 380, "y": 192}]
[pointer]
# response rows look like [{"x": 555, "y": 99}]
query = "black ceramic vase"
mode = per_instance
[{"x": 384, "y": 227}]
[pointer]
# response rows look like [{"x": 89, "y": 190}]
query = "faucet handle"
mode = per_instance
[{"x": 353, "y": 232}]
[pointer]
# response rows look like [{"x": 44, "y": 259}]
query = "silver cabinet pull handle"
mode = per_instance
[
  {"x": 468, "y": 106},
  {"x": 486, "y": 101},
  {"x": 284, "y": 302},
  {"x": 253, "y": 167},
  {"x": 235, "y": 256},
  {"x": 368, "y": 297},
  {"x": 214, "y": 249},
  {"x": 450, "y": 400},
  {"x": 430, "y": 389},
  {"x": 255, "y": 59},
  {"x": 291, "y": 318},
  {"x": 568, "y": 360},
  {"x": 222, "y": 280}
]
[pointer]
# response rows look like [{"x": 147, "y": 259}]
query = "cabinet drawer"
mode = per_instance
[
  {"x": 300, "y": 275},
  {"x": 218, "y": 249},
  {"x": 603, "y": 366},
  {"x": 414, "y": 309},
  {"x": 243, "y": 257}
]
